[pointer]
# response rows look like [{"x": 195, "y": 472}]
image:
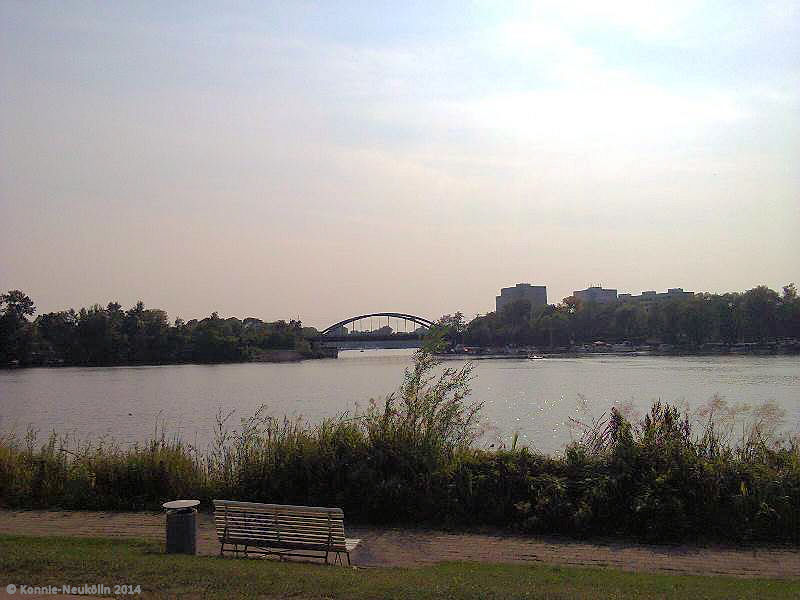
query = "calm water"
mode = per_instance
[{"x": 535, "y": 398}]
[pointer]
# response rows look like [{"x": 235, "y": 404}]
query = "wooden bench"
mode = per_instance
[{"x": 281, "y": 530}]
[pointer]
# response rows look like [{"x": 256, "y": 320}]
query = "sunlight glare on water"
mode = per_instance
[{"x": 537, "y": 399}]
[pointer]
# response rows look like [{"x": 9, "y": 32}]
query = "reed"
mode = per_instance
[{"x": 723, "y": 473}]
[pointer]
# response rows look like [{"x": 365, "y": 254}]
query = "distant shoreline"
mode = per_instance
[
  {"x": 266, "y": 356},
  {"x": 637, "y": 353},
  {"x": 292, "y": 356}
]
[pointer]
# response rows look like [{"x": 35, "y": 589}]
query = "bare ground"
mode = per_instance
[{"x": 411, "y": 547}]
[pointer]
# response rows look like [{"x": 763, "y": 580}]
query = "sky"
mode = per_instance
[{"x": 322, "y": 160}]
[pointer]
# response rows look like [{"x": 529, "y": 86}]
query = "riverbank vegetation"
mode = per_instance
[
  {"x": 415, "y": 457},
  {"x": 60, "y": 561},
  {"x": 112, "y": 336},
  {"x": 757, "y": 316}
]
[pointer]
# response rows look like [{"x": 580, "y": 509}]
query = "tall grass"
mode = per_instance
[{"x": 412, "y": 458}]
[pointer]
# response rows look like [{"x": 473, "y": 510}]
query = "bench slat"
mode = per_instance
[
  {"x": 279, "y": 519},
  {"x": 231, "y": 533},
  {"x": 239, "y": 533},
  {"x": 271, "y": 541},
  {"x": 286, "y": 545},
  {"x": 314, "y": 513},
  {"x": 278, "y": 534},
  {"x": 279, "y": 527},
  {"x": 267, "y": 518},
  {"x": 283, "y": 524},
  {"x": 282, "y": 534},
  {"x": 258, "y": 507}
]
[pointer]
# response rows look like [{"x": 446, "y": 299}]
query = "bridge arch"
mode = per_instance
[{"x": 422, "y": 322}]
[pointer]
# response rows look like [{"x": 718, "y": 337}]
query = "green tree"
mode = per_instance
[
  {"x": 56, "y": 333},
  {"x": 118, "y": 339},
  {"x": 555, "y": 325},
  {"x": 17, "y": 304},
  {"x": 789, "y": 313},
  {"x": 448, "y": 330},
  {"x": 93, "y": 336},
  {"x": 630, "y": 322},
  {"x": 759, "y": 312},
  {"x": 697, "y": 320},
  {"x": 671, "y": 321},
  {"x": 16, "y": 333},
  {"x": 592, "y": 321},
  {"x": 724, "y": 310},
  {"x": 481, "y": 330}
]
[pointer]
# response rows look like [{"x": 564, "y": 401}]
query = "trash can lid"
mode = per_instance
[{"x": 180, "y": 504}]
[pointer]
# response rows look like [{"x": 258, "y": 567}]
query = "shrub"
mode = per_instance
[{"x": 412, "y": 458}]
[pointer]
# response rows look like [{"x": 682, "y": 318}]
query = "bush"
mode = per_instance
[{"x": 412, "y": 458}]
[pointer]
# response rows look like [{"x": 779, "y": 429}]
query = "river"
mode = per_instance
[{"x": 535, "y": 398}]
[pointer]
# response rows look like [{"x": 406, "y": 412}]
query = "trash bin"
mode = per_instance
[{"x": 181, "y": 526}]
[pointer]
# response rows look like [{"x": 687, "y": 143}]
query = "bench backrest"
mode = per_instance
[{"x": 279, "y": 525}]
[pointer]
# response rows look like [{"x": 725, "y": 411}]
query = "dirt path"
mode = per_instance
[{"x": 407, "y": 547}]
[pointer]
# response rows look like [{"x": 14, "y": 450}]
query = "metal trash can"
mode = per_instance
[{"x": 181, "y": 526}]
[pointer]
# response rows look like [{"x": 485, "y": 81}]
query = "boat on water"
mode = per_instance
[{"x": 535, "y": 357}]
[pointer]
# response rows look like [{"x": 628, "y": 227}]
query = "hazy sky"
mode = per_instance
[{"x": 326, "y": 159}]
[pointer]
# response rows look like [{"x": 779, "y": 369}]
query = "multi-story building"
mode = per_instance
[
  {"x": 596, "y": 293},
  {"x": 653, "y": 296},
  {"x": 676, "y": 293},
  {"x": 535, "y": 294}
]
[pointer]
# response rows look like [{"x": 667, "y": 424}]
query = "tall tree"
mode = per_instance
[
  {"x": 16, "y": 333},
  {"x": 759, "y": 312}
]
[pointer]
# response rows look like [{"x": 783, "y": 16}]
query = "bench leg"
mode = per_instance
[{"x": 348, "y": 560}]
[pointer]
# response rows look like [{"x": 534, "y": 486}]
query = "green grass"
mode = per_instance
[{"x": 74, "y": 561}]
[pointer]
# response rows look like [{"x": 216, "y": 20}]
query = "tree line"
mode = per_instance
[
  {"x": 112, "y": 336},
  {"x": 759, "y": 315}
]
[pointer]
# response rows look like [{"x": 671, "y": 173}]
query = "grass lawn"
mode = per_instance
[{"x": 74, "y": 561}]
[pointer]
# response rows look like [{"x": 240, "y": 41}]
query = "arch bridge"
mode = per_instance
[
  {"x": 374, "y": 330},
  {"x": 376, "y": 327}
]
